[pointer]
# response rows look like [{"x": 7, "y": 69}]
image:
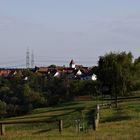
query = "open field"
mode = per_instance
[{"x": 122, "y": 123}]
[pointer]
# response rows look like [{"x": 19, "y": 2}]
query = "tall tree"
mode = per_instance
[
  {"x": 2, "y": 108},
  {"x": 136, "y": 74},
  {"x": 114, "y": 73}
]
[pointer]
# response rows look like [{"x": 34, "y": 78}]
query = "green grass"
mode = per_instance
[
  {"x": 68, "y": 110},
  {"x": 122, "y": 123}
]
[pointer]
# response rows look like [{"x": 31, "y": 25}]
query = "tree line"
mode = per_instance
[{"x": 117, "y": 75}]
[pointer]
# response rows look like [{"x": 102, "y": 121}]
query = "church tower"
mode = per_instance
[{"x": 72, "y": 64}]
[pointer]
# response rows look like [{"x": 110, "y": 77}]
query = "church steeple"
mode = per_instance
[{"x": 72, "y": 64}]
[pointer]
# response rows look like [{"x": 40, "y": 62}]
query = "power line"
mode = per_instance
[
  {"x": 12, "y": 61},
  {"x": 15, "y": 66}
]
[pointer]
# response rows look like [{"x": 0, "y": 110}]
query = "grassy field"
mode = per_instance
[{"x": 122, "y": 123}]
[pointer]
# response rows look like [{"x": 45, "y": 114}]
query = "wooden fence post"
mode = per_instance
[
  {"x": 97, "y": 112},
  {"x": 60, "y": 126},
  {"x": 2, "y": 129},
  {"x": 95, "y": 123},
  {"x": 96, "y": 118},
  {"x": 77, "y": 122}
]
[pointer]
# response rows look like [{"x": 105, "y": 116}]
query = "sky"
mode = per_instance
[{"x": 57, "y": 31}]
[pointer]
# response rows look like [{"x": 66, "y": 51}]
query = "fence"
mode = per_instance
[{"x": 79, "y": 124}]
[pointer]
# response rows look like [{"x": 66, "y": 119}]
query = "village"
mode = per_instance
[{"x": 73, "y": 72}]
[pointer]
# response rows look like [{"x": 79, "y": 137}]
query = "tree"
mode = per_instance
[
  {"x": 114, "y": 73},
  {"x": 2, "y": 108},
  {"x": 56, "y": 91},
  {"x": 32, "y": 97},
  {"x": 52, "y": 66},
  {"x": 136, "y": 74}
]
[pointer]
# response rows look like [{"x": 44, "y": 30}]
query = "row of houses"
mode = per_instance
[{"x": 76, "y": 72}]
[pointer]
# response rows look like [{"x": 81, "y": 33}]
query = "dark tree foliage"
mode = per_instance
[
  {"x": 136, "y": 74},
  {"x": 2, "y": 108},
  {"x": 114, "y": 73},
  {"x": 56, "y": 91},
  {"x": 21, "y": 95},
  {"x": 87, "y": 87}
]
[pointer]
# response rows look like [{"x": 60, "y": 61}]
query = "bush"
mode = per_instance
[{"x": 2, "y": 108}]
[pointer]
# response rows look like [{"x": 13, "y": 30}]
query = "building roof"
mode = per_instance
[
  {"x": 4, "y": 73},
  {"x": 43, "y": 69}
]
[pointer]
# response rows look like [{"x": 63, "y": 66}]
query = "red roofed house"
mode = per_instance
[{"x": 4, "y": 73}]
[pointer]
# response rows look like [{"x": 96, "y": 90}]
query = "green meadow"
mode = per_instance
[{"x": 122, "y": 123}]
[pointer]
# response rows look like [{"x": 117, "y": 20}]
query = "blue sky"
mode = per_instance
[{"x": 59, "y": 30}]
